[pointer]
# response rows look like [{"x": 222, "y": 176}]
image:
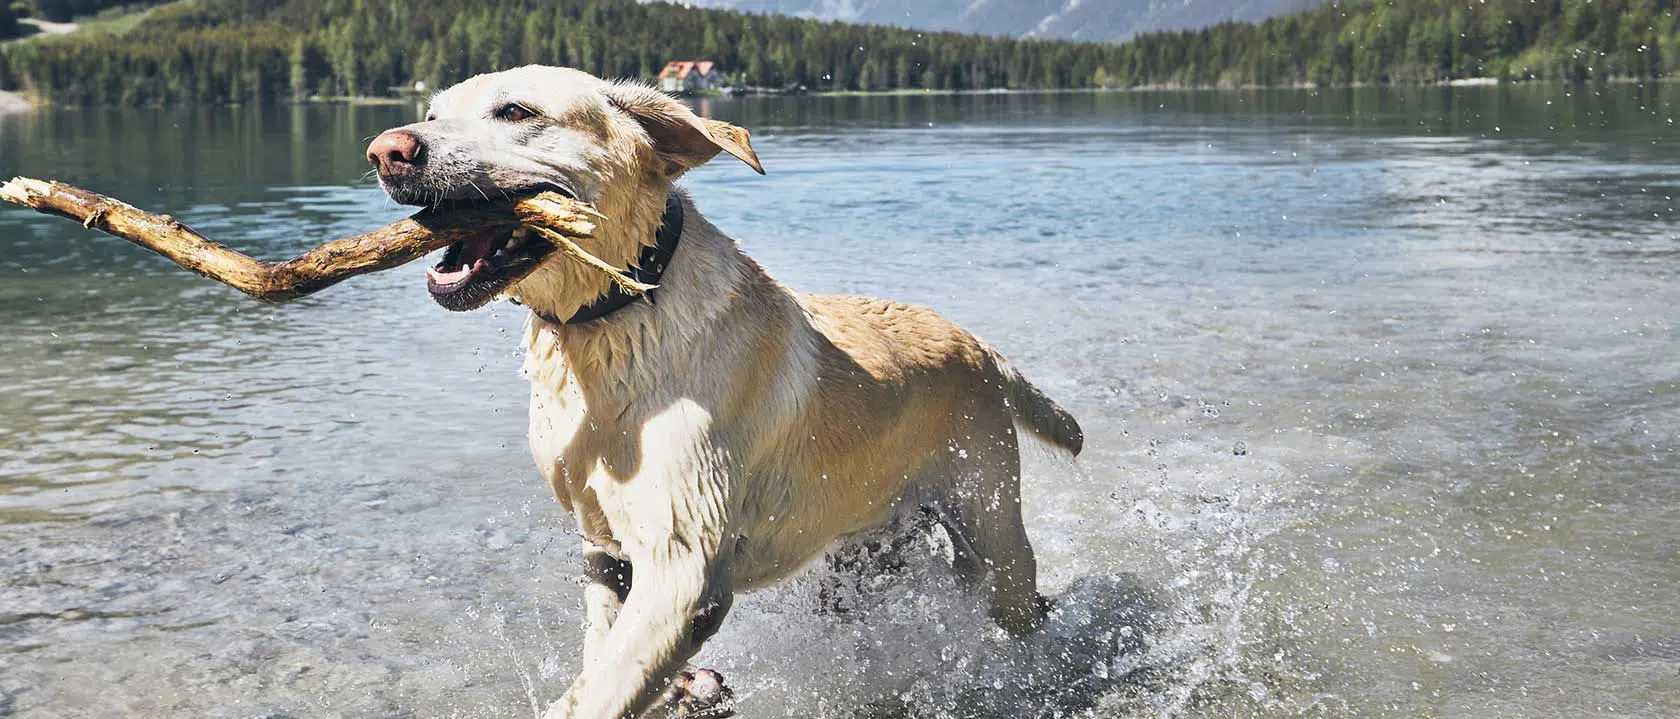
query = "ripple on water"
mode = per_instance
[{"x": 1446, "y": 352}]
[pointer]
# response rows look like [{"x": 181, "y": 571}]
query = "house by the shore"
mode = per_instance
[{"x": 690, "y": 76}]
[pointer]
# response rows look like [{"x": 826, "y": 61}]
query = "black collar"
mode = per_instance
[{"x": 647, "y": 269}]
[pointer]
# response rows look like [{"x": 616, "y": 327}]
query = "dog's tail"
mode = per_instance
[{"x": 1036, "y": 410}]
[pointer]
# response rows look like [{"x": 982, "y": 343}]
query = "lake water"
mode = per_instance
[{"x": 1381, "y": 391}]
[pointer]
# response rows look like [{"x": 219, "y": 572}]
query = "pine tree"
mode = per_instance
[{"x": 299, "y": 75}]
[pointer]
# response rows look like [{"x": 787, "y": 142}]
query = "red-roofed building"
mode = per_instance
[{"x": 690, "y": 76}]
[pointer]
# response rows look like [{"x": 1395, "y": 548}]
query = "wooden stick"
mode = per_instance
[
  {"x": 389, "y": 246},
  {"x": 618, "y": 277}
]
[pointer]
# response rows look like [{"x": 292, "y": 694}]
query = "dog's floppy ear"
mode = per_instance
[{"x": 679, "y": 136}]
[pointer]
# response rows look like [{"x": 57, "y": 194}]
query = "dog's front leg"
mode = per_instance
[
  {"x": 678, "y": 600},
  {"x": 609, "y": 585},
  {"x": 666, "y": 498}
]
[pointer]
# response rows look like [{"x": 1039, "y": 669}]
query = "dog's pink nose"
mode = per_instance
[{"x": 394, "y": 148}]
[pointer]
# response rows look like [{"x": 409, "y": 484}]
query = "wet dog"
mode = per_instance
[{"x": 723, "y": 432}]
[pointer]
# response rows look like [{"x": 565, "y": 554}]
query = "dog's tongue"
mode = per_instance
[
  {"x": 439, "y": 277},
  {"x": 473, "y": 252}
]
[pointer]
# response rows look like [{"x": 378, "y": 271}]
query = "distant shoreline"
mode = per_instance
[
  {"x": 13, "y": 102},
  {"x": 1460, "y": 82},
  {"x": 1175, "y": 87},
  {"x": 357, "y": 100}
]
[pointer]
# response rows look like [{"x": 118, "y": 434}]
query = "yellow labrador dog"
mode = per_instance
[{"x": 725, "y": 431}]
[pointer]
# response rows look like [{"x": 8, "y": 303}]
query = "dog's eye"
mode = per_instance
[{"x": 514, "y": 112}]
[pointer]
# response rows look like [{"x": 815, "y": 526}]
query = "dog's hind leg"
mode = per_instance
[{"x": 975, "y": 490}]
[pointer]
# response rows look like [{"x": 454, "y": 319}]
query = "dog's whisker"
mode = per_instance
[{"x": 480, "y": 190}]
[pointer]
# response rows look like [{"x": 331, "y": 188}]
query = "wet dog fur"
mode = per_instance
[{"x": 724, "y": 436}]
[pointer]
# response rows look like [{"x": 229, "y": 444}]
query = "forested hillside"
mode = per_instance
[
  {"x": 248, "y": 50},
  {"x": 240, "y": 50},
  {"x": 1410, "y": 41}
]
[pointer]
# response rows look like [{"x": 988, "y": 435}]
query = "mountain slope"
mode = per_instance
[{"x": 1093, "y": 20}]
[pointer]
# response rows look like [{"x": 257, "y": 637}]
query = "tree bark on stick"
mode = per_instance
[{"x": 389, "y": 246}]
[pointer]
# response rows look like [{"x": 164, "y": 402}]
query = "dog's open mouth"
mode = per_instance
[{"x": 474, "y": 271}]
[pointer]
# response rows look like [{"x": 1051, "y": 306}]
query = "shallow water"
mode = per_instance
[{"x": 1381, "y": 392}]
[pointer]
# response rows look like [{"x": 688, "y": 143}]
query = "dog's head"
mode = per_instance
[{"x": 617, "y": 146}]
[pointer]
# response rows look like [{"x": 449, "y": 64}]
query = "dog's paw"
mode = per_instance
[{"x": 699, "y": 694}]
